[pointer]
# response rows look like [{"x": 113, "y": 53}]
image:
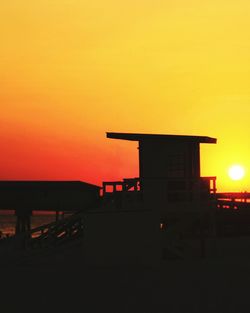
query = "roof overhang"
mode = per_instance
[{"x": 162, "y": 137}]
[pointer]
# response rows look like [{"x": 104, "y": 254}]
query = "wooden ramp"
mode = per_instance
[{"x": 43, "y": 240}]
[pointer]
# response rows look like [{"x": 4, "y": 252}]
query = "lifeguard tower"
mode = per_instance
[{"x": 168, "y": 211}]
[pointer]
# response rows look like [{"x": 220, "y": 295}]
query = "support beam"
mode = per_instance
[{"x": 23, "y": 221}]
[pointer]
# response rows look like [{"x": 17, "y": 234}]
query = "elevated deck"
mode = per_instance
[{"x": 178, "y": 191}]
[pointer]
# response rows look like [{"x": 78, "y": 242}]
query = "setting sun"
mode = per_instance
[{"x": 236, "y": 172}]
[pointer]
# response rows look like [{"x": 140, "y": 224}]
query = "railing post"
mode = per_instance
[
  {"x": 123, "y": 186},
  {"x": 135, "y": 185},
  {"x": 103, "y": 189}
]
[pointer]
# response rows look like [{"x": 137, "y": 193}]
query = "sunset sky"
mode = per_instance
[{"x": 72, "y": 70}]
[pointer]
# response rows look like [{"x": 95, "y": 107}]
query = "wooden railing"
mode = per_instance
[
  {"x": 202, "y": 185},
  {"x": 133, "y": 184},
  {"x": 234, "y": 201},
  {"x": 127, "y": 184},
  {"x": 49, "y": 235},
  {"x": 56, "y": 233}
]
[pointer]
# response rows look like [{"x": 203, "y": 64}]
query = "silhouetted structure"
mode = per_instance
[
  {"x": 58, "y": 196},
  {"x": 168, "y": 212}
]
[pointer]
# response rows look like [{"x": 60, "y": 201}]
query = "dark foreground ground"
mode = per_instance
[{"x": 207, "y": 286}]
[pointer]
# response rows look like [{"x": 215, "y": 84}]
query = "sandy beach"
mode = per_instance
[{"x": 207, "y": 286}]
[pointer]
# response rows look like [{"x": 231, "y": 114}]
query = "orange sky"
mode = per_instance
[{"x": 72, "y": 70}]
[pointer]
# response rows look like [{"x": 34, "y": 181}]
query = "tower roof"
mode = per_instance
[{"x": 163, "y": 137}]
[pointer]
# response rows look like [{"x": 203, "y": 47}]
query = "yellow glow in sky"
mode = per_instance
[
  {"x": 236, "y": 172},
  {"x": 72, "y": 70}
]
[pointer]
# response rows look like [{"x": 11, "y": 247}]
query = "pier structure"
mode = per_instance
[
  {"x": 233, "y": 200},
  {"x": 233, "y": 214},
  {"x": 24, "y": 197}
]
